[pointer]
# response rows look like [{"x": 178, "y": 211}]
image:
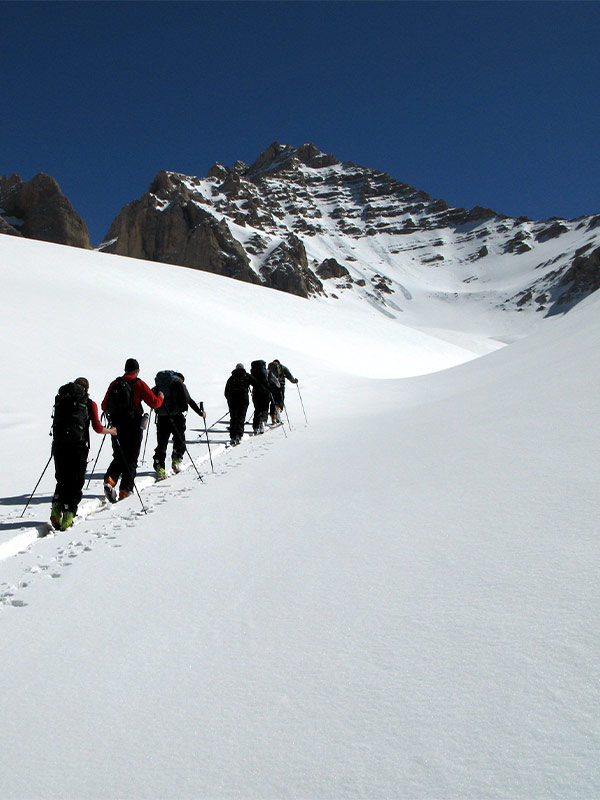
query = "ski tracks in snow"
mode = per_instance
[{"x": 100, "y": 523}]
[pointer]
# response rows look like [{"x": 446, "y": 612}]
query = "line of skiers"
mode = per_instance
[
  {"x": 268, "y": 395},
  {"x": 74, "y": 411}
]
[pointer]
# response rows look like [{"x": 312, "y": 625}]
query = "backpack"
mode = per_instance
[
  {"x": 169, "y": 384},
  {"x": 259, "y": 370},
  {"x": 119, "y": 401},
  {"x": 237, "y": 385},
  {"x": 70, "y": 424}
]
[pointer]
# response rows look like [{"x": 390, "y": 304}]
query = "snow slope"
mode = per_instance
[{"x": 399, "y": 599}]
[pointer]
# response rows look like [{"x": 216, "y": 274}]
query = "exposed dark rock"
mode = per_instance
[
  {"x": 553, "y": 231},
  {"x": 218, "y": 171},
  {"x": 232, "y": 184},
  {"x": 287, "y": 269},
  {"x": 382, "y": 284},
  {"x": 525, "y": 298},
  {"x": 460, "y": 216},
  {"x": 177, "y": 231},
  {"x": 582, "y": 278},
  {"x": 256, "y": 245},
  {"x": 594, "y": 222},
  {"x": 310, "y": 155},
  {"x": 517, "y": 244},
  {"x": 45, "y": 212},
  {"x": 330, "y": 268},
  {"x": 8, "y": 229},
  {"x": 279, "y": 157}
]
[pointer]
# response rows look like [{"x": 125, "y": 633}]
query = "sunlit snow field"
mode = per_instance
[{"x": 399, "y": 599}]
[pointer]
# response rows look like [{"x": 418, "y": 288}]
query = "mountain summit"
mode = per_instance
[{"x": 301, "y": 221}]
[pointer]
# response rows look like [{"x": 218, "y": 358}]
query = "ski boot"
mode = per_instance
[
  {"x": 56, "y": 513},
  {"x": 67, "y": 520},
  {"x": 109, "y": 490}
]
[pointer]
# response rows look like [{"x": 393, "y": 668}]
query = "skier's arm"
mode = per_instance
[
  {"x": 194, "y": 406},
  {"x": 96, "y": 424},
  {"x": 287, "y": 374},
  {"x": 148, "y": 396}
]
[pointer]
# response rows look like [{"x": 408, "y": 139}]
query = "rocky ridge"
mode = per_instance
[
  {"x": 37, "y": 209},
  {"x": 301, "y": 221}
]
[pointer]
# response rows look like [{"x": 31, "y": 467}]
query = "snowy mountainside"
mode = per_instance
[
  {"x": 399, "y": 599},
  {"x": 300, "y": 220}
]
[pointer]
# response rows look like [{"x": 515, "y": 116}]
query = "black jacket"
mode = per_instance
[{"x": 238, "y": 385}]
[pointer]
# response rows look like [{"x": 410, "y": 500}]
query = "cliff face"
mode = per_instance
[
  {"x": 37, "y": 209},
  {"x": 167, "y": 225}
]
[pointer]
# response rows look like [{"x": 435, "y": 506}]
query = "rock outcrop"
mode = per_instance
[
  {"x": 168, "y": 225},
  {"x": 582, "y": 277},
  {"x": 37, "y": 209},
  {"x": 8, "y": 229}
]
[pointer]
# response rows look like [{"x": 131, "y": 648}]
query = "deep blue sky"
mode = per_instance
[{"x": 481, "y": 103}]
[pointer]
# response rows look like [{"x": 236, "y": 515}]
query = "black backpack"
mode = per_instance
[
  {"x": 119, "y": 401},
  {"x": 70, "y": 424},
  {"x": 258, "y": 369},
  {"x": 169, "y": 384},
  {"x": 237, "y": 385}
]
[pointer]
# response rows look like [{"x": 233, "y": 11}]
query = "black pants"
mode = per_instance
[
  {"x": 70, "y": 464},
  {"x": 260, "y": 399},
  {"x": 237, "y": 416},
  {"x": 126, "y": 449},
  {"x": 165, "y": 426}
]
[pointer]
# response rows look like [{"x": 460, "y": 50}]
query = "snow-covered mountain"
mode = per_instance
[
  {"x": 397, "y": 599},
  {"x": 301, "y": 221}
]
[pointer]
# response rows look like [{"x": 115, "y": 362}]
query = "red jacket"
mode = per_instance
[
  {"x": 93, "y": 409},
  {"x": 141, "y": 391}
]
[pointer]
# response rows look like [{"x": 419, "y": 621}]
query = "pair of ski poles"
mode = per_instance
[
  {"x": 186, "y": 449},
  {"x": 91, "y": 475}
]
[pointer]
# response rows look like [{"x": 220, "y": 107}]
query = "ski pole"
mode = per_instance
[
  {"x": 219, "y": 420},
  {"x": 207, "y": 442},
  {"x": 37, "y": 484},
  {"x": 184, "y": 444},
  {"x": 128, "y": 468},
  {"x": 287, "y": 416},
  {"x": 275, "y": 407},
  {"x": 146, "y": 441},
  {"x": 96, "y": 461},
  {"x": 301, "y": 403}
]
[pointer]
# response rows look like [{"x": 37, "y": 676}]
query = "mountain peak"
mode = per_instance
[{"x": 279, "y": 156}]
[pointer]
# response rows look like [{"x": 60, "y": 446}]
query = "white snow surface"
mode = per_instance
[{"x": 398, "y": 600}]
